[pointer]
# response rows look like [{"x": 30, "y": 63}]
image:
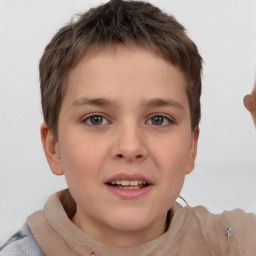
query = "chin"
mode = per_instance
[{"x": 131, "y": 221}]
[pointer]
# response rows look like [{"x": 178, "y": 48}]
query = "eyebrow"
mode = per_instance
[
  {"x": 101, "y": 102},
  {"x": 158, "y": 102}
]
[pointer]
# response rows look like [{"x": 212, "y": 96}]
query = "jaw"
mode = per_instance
[{"x": 127, "y": 231}]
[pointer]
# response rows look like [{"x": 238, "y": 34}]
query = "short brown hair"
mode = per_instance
[{"x": 118, "y": 22}]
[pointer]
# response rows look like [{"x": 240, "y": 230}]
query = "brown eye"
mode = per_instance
[
  {"x": 159, "y": 120},
  {"x": 96, "y": 120}
]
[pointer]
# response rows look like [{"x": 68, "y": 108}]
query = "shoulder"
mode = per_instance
[
  {"x": 21, "y": 243},
  {"x": 236, "y": 227},
  {"x": 238, "y": 218}
]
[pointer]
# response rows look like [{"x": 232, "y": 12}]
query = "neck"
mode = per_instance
[{"x": 120, "y": 238}]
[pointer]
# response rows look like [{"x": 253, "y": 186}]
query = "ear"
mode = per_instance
[
  {"x": 51, "y": 149},
  {"x": 192, "y": 151}
]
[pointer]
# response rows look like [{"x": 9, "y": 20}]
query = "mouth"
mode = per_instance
[{"x": 128, "y": 184}]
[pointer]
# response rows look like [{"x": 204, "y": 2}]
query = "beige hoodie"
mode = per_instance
[{"x": 192, "y": 231}]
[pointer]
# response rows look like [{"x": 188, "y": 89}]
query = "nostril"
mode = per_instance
[{"x": 136, "y": 157}]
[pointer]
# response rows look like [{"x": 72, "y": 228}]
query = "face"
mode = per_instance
[{"x": 124, "y": 140}]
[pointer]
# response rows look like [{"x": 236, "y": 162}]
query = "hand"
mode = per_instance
[{"x": 250, "y": 104}]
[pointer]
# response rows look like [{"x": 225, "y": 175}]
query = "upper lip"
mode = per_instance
[{"x": 126, "y": 176}]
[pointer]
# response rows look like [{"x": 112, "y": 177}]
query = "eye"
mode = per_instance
[
  {"x": 95, "y": 120},
  {"x": 159, "y": 120}
]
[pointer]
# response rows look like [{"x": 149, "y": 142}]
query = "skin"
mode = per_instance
[
  {"x": 127, "y": 141},
  {"x": 250, "y": 103}
]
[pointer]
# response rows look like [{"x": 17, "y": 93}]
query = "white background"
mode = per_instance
[{"x": 225, "y": 173}]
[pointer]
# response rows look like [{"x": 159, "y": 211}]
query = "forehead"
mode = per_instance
[{"x": 113, "y": 69}]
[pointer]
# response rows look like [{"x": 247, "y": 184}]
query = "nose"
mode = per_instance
[{"x": 130, "y": 144}]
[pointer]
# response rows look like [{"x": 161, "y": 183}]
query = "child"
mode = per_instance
[{"x": 120, "y": 92}]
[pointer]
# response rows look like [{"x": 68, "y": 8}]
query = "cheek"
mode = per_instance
[
  {"x": 171, "y": 170},
  {"x": 175, "y": 160},
  {"x": 81, "y": 164},
  {"x": 172, "y": 155},
  {"x": 81, "y": 158}
]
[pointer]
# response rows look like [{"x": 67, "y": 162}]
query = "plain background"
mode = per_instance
[{"x": 225, "y": 173}]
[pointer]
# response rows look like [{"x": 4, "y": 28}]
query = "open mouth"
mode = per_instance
[{"x": 128, "y": 184}]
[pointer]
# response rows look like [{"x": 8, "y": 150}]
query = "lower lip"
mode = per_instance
[{"x": 129, "y": 193}]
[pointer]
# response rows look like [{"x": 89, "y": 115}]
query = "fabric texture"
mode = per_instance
[
  {"x": 193, "y": 231},
  {"x": 21, "y": 243}
]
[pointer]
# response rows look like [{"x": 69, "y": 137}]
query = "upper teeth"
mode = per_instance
[{"x": 128, "y": 182}]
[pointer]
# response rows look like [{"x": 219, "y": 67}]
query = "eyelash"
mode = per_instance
[
  {"x": 165, "y": 119},
  {"x": 88, "y": 120}
]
